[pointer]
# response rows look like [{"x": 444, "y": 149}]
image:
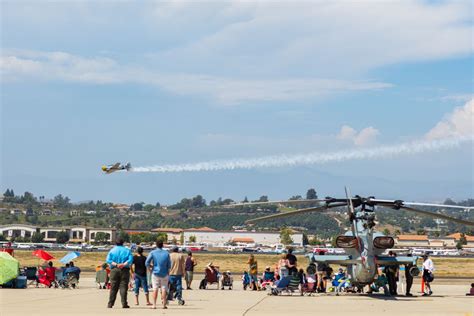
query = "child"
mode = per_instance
[
  {"x": 245, "y": 280},
  {"x": 380, "y": 282},
  {"x": 339, "y": 280}
]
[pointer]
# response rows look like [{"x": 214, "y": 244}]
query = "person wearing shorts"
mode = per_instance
[
  {"x": 159, "y": 259},
  {"x": 189, "y": 267},
  {"x": 139, "y": 275}
]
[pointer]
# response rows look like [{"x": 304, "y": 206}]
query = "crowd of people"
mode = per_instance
[
  {"x": 163, "y": 271},
  {"x": 320, "y": 278}
]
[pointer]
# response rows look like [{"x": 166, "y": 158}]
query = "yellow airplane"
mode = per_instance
[{"x": 116, "y": 167}]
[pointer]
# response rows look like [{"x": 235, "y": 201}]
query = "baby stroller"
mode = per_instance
[{"x": 227, "y": 280}]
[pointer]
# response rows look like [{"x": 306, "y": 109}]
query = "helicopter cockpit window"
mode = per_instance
[
  {"x": 384, "y": 242},
  {"x": 346, "y": 242}
]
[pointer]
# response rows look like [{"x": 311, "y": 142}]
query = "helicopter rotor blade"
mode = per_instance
[
  {"x": 432, "y": 214},
  {"x": 272, "y": 202},
  {"x": 350, "y": 211},
  {"x": 297, "y": 212},
  {"x": 439, "y": 205},
  {"x": 379, "y": 201}
]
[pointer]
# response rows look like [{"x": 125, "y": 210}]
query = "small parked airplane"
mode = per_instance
[{"x": 116, "y": 167}]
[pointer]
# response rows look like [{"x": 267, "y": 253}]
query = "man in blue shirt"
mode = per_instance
[
  {"x": 119, "y": 260},
  {"x": 160, "y": 260}
]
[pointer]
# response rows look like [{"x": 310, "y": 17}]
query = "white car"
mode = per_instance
[
  {"x": 23, "y": 246},
  {"x": 73, "y": 247}
]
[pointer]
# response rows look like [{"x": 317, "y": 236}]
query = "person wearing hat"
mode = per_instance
[
  {"x": 428, "y": 269},
  {"x": 177, "y": 272}
]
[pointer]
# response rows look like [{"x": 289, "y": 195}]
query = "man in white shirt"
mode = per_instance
[{"x": 428, "y": 269}]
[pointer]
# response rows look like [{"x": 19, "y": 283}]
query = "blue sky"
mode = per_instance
[{"x": 86, "y": 83}]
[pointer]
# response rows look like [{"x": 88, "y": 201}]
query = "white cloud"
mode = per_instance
[
  {"x": 366, "y": 136},
  {"x": 259, "y": 39},
  {"x": 319, "y": 38},
  {"x": 227, "y": 91},
  {"x": 460, "y": 122},
  {"x": 460, "y": 97}
]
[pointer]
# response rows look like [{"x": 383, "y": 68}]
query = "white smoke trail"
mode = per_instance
[{"x": 311, "y": 158}]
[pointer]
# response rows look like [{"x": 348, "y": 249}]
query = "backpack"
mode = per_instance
[{"x": 203, "y": 284}]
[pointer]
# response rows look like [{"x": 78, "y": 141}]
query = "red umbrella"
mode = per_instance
[{"x": 42, "y": 255}]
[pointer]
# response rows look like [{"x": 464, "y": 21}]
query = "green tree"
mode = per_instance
[
  {"x": 315, "y": 241},
  {"x": 311, "y": 194},
  {"x": 459, "y": 245},
  {"x": 101, "y": 237},
  {"x": 29, "y": 199},
  {"x": 148, "y": 208},
  {"x": 181, "y": 239},
  {"x": 285, "y": 236},
  {"x": 246, "y": 200},
  {"x": 2, "y": 238},
  {"x": 136, "y": 239},
  {"x": 174, "y": 241},
  {"x": 263, "y": 198},
  {"x": 137, "y": 206},
  {"x": 198, "y": 201},
  {"x": 9, "y": 196},
  {"x": 37, "y": 237},
  {"x": 192, "y": 239},
  {"x": 62, "y": 237},
  {"x": 59, "y": 201},
  {"x": 295, "y": 197},
  {"x": 122, "y": 234},
  {"x": 386, "y": 232},
  {"x": 162, "y": 237}
]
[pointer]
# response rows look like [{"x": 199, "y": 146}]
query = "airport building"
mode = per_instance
[
  {"x": 214, "y": 237},
  {"x": 77, "y": 234}
]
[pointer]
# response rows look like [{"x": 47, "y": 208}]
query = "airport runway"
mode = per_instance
[{"x": 449, "y": 299}]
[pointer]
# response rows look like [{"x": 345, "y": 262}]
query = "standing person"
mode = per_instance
[
  {"x": 321, "y": 269},
  {"x": 408, "y": 276},
  {"x": 253, "y": 271},
  {"x": 292, "y": 262},
  {"x": 139, "y": 275},
  {"x": 119, "y": 260},
  {"x": 159, "y": 259},
  {"x": 392, "y": 272},
  {"x": 428, "y": 277},
  {"x": 176, "y": 274},
  {"x": 283, "y": 266},
  {"x": 191, "y": 262}
]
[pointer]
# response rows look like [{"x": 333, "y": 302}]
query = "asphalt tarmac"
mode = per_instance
[{"x": 448, "y": 299}]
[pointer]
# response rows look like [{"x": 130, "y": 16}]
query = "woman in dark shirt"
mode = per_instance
[{"x": 139, "y": 275}]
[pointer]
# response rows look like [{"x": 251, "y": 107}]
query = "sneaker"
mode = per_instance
[
  {"x": 431, "y": 292},
  {"x": 109, "y": 306},
  {"x": 409, "y": 294},
  {"x": 125, "y": 306},
  {"x": 425, "y": 294}
]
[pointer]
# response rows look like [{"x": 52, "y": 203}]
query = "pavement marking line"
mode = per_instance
[{"x": 254, "y": 305}]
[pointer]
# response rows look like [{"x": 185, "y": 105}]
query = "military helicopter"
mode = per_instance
[{"x": 364, "y": 246}]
